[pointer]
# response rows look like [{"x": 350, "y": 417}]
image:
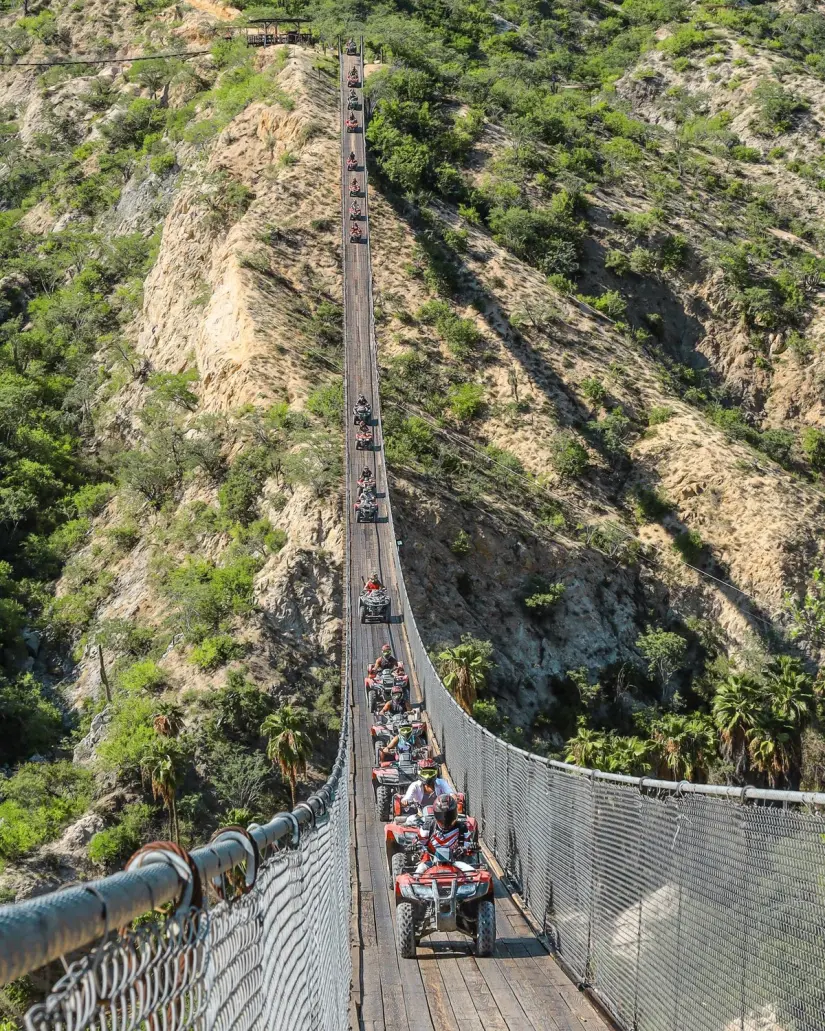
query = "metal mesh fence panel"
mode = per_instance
[
  {"x": 685, "y": 909},
  {"x": 276, "y": 957}
]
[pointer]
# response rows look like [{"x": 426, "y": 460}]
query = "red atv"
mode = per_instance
[
  {"x": 446, "y": 898},
  {"x": 353, "y": 79},
  {"x": 352, "y": 161},
  {"x": 389, "y": 778},
  {"x": 351, "y": 123}
]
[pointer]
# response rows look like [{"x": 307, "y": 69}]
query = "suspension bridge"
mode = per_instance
[{"x": 677, "y": 907}]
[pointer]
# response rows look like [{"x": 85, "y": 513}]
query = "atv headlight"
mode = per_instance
[
  {"x": 465, "y": 891},
  {"x": 423, "y": 891}
]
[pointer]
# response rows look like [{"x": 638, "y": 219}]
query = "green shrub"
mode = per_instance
[
  {"x": 594, "y": 390},
  {"x": 659, "y": 414},
  {"x": 328, "y": 403},
  {"x": 39, "y": 800},
  {"x": 813, "y": 447},
  {"x": 674, "y": 253},
  {"x": 485, "y": 712},
  {"x": 466, "y": 401},
  {"x": 618, "y": 262},
  {"x": 241, "y": 491},
  {"x": 642, "y": 261},
  {"x": 462, "y": 545},
  {"x": 68, "y": 537},
  {"x": 111, "y": 848},
  {"x": 206, "y": 596},
  {"x": 31, "y": 721},
  {"x": 124, "y": 535},
  {"x": 128, "y": 736},
  {"x": 93, "y": 498},
  {"x": 145, "y": 675},
  {"x": 690, "y": 546},
  {"x": 568, "y": 456},
  {"x": 540, "y": 595},
  {"x": 775, "y": 107},
  {"x": 129, "y": 128},
  {"x": 214, "y": 652}
]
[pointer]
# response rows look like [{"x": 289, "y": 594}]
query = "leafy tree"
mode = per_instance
[
  {"x": 288, "y": 742},
  {"x": 665, "y": 653},
  {"x": 464, "y": 669}
]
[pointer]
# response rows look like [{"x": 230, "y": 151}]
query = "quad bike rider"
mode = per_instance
[
  {"x": 366, "y": 479},
  {"x": 353, "y": 80},
  {"x": 352, "y": 161},
  {"x": 355, "y": 211},
  {"x": 352, "y": 100},
  {"x": 351, "y": 123},
  {"x": 401, "y": 745},
  {"x": 446, "y": 893},
  {"x": 379, "y": 685},
  {"x": 354, "y": 186},
  {"x": 366, "y": 508},
  {"x": 363, "y": 434},
  {"x": 362, "y": 409},
  {"x": 401, "y": 676},
  {"x": 445, "y": 832},
  {"x": 386, "y": 660},
  {"x": 351, "y": 47},
  {"x": 374, "y": 584},
  {"x": 424, "y": 791},
  {"x": 397, "y": 703},
  {"x": 355, "y": 234},
  {"x": 374, "y": 606}
]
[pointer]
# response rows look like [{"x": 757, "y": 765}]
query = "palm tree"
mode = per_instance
[
  {"x": 163, "y": 764},
  {"x": 738, "y": 709},
  {"x": 288, "y": 742},
  {"x": 587, "y": 748},
  {"x": 464, "y": 670},
  {"x": 791, "y": 691},
  {"x": 168, "y": 720},
  {"x": 772, "y": 752},
  {"x": 687, "y": 744}
]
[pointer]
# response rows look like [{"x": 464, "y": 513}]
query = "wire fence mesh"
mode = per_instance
[
  {"x": 276, "y": 957},
  {"x": 682, "y": 910}
]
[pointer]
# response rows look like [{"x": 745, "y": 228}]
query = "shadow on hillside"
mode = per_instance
[{"x": 569, "y": 410}]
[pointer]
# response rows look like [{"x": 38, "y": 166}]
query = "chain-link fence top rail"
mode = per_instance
[{"x": 683, "y": 907}]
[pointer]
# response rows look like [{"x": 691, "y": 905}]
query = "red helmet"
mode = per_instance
[
  {"x": 386, "y": 649},
  {"x": 445, "y": 811}
]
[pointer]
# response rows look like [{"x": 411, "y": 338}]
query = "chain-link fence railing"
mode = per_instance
[
  {"x": 272, "y": 952},
  {"x": 683, "y": 907}
]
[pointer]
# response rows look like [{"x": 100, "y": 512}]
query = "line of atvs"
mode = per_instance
[{"x": 438, "y": 887}]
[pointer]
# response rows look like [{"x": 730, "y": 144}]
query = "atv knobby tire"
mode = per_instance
[
  {"x": 371, "y": 700},
  {"x": 486, "y": 928},
  {"x": 383, "y": 802},
  {"x": 405, "y": 930},
  {"x": 399, "y": 861}
]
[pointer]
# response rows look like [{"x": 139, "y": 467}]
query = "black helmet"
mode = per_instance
[
  {"x": 445, "y": 811},
  {"x": 397, "y": 691}
]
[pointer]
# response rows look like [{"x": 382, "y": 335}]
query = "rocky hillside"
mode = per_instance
[
  {"x": 597, "y": 255},
  {"x": 172, "y": 458}
]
